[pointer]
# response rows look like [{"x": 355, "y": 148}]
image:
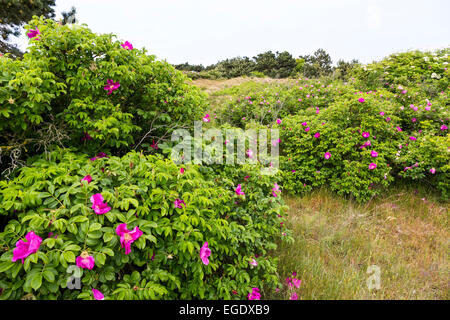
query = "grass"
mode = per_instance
[
  {"x": 335, "y": 240},
  {"x": 222, "y": 91}
]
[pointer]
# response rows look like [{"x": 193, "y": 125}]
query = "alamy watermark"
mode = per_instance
[
  {"x": 74, "y": 281},
  {"x": 228, "y": 146},
  {"x": 374, "y": 280}
]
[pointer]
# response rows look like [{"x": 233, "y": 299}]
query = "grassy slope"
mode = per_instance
[{"x": 405, "y": 233}]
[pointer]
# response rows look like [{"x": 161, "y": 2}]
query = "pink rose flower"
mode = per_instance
[
  {"x": 127, "y": 237},
  {"x": 254, "y": 295},
  {"x": 275, "y": 190},
  {"x": 98, "y": 295},
  {"x": 87, "y": 178},
  {"x": 238, "y": 190},
  {"x": 127, "y": 45},
  {"x": 205, "y": 252},
  {"x": 111, "y": 86},
  {"x": 85, "y": 261},
  {"x": 98, "y": 205},
  {"x": 25, "y": 248}
]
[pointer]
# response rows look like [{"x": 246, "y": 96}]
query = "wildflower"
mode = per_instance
[
  {"x": 317, "y": 135},
  {"x": 254, "y": 295},
  {"x": 294, "y": 296},
  {"x": 307, "y": 129},
  {"x": 33, "y": 34},
  {"x": 253, "y": 262},
  {"x": 399, "y": 129},
  {"x": 413, "y": 138},
  {"x": 279, "y": 121},
  {"x": 98, "y": 205},
  {"x": 327, "y": 155},
  {"x": 127, "y": 45},
  {"x": 178, "y": 203},
  {"x": 275, "y": 190},
  {"x": 182, "y": 170},
  {"x": 87, "y": 178},
  {"x": 25, "y": 248},
  {"x": 372, "y": 166},
  {"x": 374, "y": 154},
  {"x": 98, "y": 295},
  {"x": 154, "y": 145},
  {"x": 249, "y": 153},
  {"x": 444, "y": 127},
  {"x": 85, "y": 261},
  {"x": 361, "y": 100},
  {"x": 366, "y": 134},
  {"x": 127, "y": 237},
  {"x": 111, "y": 86},
  {"x": 206, "y": 118},
  {"x": 381, "y": 113},
  {"x": 238, "y": 191},
  {"x": 432, "y": 170},
  {"x": 205, "y": 252}
]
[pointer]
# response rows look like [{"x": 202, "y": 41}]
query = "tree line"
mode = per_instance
[{"x": 272, "y": 64}]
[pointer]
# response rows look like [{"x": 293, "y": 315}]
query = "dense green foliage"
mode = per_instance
[
  {"x": 80, "y": 113},
  {"x": 405, "y": 112},
  {"x": 56, "y": 95},
  {"x": 54, "y": 203}
]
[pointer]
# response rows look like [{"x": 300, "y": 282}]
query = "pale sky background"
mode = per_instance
[{"x": 206, "y": 31}]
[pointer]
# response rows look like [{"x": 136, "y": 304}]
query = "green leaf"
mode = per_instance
[
  {"x": 100, "y": 259},
  {"x": 49, "y": 276},
  {"x": 108, "y": 251},
  {"x": 50, "y": 242},
  {"x": 95, "y": 226},
  {"x": 69, "y": 256},
  {"x": 5, "y": 266},
  {"x": 36, "y": 281}
]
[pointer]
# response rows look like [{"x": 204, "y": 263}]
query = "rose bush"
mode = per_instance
[
  {"x": 79, "y": 89},
  {"x": 136, "y": 227}
]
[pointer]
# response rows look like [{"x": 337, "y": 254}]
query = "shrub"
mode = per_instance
[
  {"x": 425, "y": 70},
  {"x": 337, "y": 132},
  {"x": 56, "y": 94},
  {"x": 140, "y": 190},
  {"x": 427, "y": 160}
]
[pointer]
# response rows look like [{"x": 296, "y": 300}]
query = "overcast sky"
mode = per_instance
[{"x": 206, "y": 31}]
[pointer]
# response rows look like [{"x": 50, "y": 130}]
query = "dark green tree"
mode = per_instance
[
  {"x": 343, "y": 68},
  {"x": 266, "y": 63},
  {"x": 285, "y": 65},
  {"x": 14, "y": 14},
  {"x": 236, "y": 67},
  {"x": 318, "y": 64},
  {"x": 69, "y": 16}
]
